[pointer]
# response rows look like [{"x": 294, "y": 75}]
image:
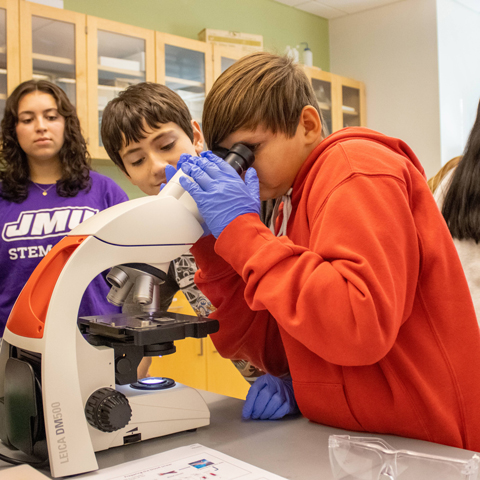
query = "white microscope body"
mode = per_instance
[{"x": 43, "y": 326}]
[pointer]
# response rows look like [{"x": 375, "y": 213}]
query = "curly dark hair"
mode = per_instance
[{"x": 74, "y": 157}]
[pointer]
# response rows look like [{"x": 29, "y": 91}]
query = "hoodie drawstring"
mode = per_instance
[{"x": 287, "y": 210}]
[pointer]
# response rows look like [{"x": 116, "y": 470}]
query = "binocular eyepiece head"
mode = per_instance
[{"x": 240, "y": 157}]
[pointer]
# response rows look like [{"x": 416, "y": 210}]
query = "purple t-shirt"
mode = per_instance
[{"x": 31, "y": 228}]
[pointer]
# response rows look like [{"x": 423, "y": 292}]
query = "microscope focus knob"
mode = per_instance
[{"x": 108, "y": 410}]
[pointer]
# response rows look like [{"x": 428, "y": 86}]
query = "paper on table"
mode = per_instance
[{"x": 193, "y": 462}]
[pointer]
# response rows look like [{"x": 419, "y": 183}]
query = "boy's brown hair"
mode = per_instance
[
  {"x": 150, "y": 104},
  {"x": 259, "y": 89}
]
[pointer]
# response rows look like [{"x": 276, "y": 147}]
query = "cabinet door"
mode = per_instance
[
  {"x": 53, "y": 49},
  {"x": 224, "y": 57},
  {"x": 185, "y": 66},
  {"x": 352, "y": 111},
  {"x": 9, "y": 50},
  {"x": 115, "y": 60},
  {"x": 324, "y": 87},
  {"x": 189, "y": 364},
  {"x": 222, "y": 375},
  {"x": 197, "y": 363}
]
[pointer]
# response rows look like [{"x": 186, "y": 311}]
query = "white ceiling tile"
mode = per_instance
[
  {"x": 354, "y": 6},
  {"x": 291, "y": 3},
  {"x": 337, "y": 8},
  {"x": 320, "y": 9}
]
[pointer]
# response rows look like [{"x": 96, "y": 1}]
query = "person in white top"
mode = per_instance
[{"x": 458, "y": 196}]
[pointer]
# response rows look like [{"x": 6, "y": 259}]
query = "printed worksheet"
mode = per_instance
[{"x": 193, "y": 462}]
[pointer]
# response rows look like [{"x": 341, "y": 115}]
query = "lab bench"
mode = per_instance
[{"x": 293, "y": 447}]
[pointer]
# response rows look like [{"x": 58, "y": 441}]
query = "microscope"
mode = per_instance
[{"x": 68, "y": 385}]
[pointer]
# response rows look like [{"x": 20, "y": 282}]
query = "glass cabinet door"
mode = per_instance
[
  {"x": 115, "y": 61},
  {"x": 324, "y": 88},
  {"x": 9, "y": 50},
  {"x": 224, "y": 57},
  {"x": 353, "y": 103},
  {"x": 53, "y": 49},
  {"x": 185, "y": 66}
]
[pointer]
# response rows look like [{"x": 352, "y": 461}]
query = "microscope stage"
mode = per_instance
[{"x": 147, "y": 329}]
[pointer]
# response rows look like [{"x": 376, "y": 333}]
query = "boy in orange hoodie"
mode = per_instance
[{"x": 361, "y": 298}]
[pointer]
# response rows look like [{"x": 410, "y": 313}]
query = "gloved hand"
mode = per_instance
[
  {"x": 170, "y": 171},
  {"x": 220, "y": 193},
  {"x": 270, "y": 398}
]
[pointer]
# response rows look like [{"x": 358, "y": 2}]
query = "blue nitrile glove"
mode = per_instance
[
  {"x": 220, "y": 193},
  {"x": 170, "y": 170},
  {"x": 270, "y": 398}
]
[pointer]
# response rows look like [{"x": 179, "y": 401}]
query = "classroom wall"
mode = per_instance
[
  {"x": 279, "y": 24},
  {"x": 393, "y": 49},
  {"x": 459, "y": 73}
]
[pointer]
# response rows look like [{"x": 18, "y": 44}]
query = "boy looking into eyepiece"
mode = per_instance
[
  {"x": 362, "y": 298},
  {"x": 145, "y": 130}
]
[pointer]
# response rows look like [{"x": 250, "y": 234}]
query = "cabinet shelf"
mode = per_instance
[
  {"x": 121, "y": 71},
  {"x": 110, "y": 88},
  {"x": 53, "y": 59},
  {"x": 184, "y": 81},
  {"x": 52, "y": 76},
  {"x": 40, "y": 76},
  {"x": 347, "y": 111}
]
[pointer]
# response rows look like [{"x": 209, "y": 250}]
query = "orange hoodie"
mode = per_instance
[{"x": 364, "y": 301}]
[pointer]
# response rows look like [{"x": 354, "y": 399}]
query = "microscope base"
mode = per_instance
[{"x": 155, "y": 414}]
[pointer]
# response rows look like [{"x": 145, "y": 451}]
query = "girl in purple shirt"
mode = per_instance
[{"x": 47, "y": 188}]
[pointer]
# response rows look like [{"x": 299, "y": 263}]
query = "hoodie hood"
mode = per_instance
[{"x": 357, "y": 134}]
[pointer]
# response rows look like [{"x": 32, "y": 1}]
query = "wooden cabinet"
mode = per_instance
[
  {"x": 341, "y": 100},
  {"x": 324, "y": 86},
  {"x": 9, "y": 50},
  {"x": 93, "y": 59},
  {"x": 115, "y": 60},
  {"x": 185, "y": 66},
  {"x": 198, "y": 364},
  {"x": 352, "y": 95},
  {"x": 53, "y": 48},
  {"x": 224, "y": 57}
]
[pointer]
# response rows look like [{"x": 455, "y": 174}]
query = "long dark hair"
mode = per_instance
[
  {"x": 74, "y": 157},
  {"x": 461, "y": 208}
]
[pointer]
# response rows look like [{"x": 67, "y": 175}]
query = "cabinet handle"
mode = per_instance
[{"x": 200, "y": 354}]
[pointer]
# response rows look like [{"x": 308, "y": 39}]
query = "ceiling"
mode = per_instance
[{"x": 335, "y": 8}]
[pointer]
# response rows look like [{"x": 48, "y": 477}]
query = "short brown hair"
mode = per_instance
[
  {"x": 259, "y": 89},
  {"x": 123, "y": 117}
]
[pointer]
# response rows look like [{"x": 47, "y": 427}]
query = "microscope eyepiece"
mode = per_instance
[{"x": 240, "y": 157}]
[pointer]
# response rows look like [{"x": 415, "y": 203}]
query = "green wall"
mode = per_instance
[{"x": 279, "y": 24}]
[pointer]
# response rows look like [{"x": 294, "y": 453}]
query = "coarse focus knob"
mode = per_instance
[{"x": 108, "y": 410}]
